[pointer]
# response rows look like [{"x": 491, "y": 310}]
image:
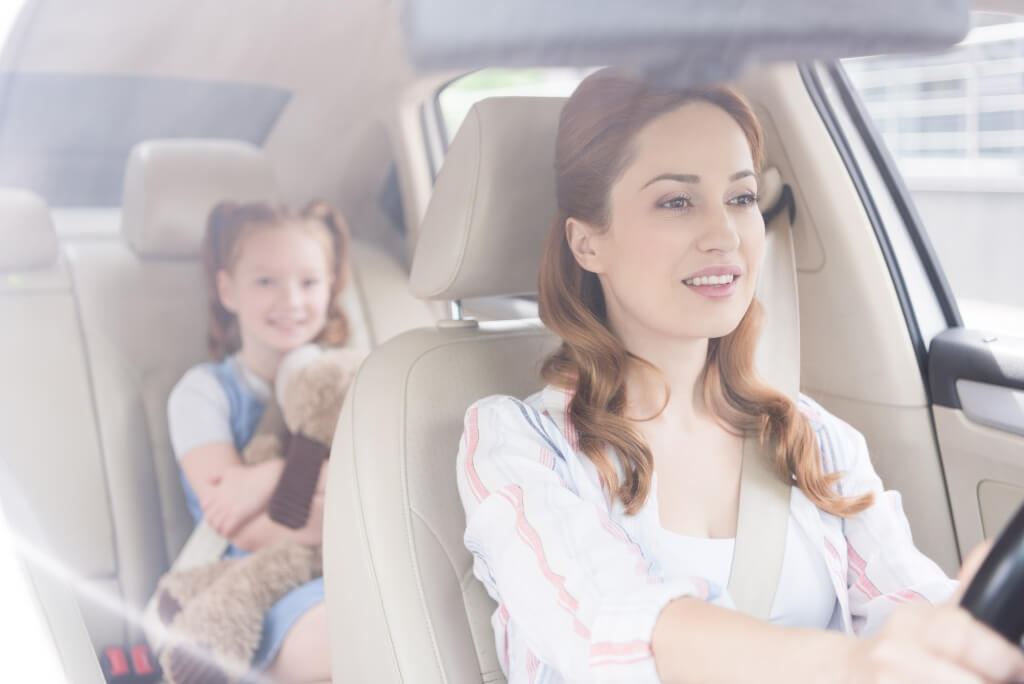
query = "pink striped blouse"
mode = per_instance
[{"x": 578, "y": 582}]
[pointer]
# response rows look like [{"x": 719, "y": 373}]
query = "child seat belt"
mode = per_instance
[{"x": 761, "y": 527}]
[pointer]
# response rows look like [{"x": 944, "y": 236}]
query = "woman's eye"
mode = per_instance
[
  {"x": 745, "y": 200},
  {"x": 678, "y": 202}
]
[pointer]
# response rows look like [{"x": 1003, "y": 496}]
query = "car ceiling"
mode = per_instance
[{"x": 341, "y": 62}]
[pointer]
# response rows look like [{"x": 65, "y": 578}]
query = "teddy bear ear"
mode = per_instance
[{"x": 295, "y": 360}]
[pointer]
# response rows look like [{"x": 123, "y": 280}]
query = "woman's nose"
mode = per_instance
[{"x": 720, "y": 234}]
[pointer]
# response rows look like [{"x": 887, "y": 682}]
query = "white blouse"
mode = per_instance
[{"x": 579, "y": 584}]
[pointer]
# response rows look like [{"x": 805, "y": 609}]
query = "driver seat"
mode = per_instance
[{"x": 403, "y": 604}]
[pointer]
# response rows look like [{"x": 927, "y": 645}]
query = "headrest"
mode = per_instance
[
  {"x": 492, "y": 203},
  {"x": 171, "y": 185},
  {"x": 494, "y": 200},
  {"x": 26, "y": 231}
]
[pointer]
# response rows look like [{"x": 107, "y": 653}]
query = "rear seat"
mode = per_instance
[
  {"x": 51, "y": 448},
  {"x": 109, "y": 326},
  {"x": 143, "y": 314}
]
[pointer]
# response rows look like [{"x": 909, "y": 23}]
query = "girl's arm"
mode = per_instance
[
  {"x": 262, "y": 531},
  {"x": 230, "y": 492}
]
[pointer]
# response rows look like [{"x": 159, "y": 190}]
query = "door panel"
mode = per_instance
[{"x": 976, "y": 382}]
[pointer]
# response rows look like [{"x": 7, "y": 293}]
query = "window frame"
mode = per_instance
[{"x": 892, "y": 180}]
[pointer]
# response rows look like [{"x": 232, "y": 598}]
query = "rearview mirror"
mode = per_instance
[{"x": 677, "y": 41}]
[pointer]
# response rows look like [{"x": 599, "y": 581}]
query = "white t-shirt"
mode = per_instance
[
  {"x": 198, "y": 412},
  {"x": 804, "y": 598}
]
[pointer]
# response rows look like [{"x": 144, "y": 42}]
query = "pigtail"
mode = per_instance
[
  {"x": 336, "y": 329},
  {"x": 222, "y": 335}
]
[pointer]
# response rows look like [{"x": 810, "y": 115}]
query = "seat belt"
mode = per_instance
[{"x": 761, "y": 527}]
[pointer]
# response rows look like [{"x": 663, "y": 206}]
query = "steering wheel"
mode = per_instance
[{"x": 996, "y": 594}]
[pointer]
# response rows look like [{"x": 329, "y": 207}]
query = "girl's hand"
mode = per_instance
[
  {"x": 237, "y": 496},
  {"x": 920, "y": 642},
  {"x": 312, "y": 533}
]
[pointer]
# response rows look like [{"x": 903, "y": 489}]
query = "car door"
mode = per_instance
[{"x": 938, "y": 143}]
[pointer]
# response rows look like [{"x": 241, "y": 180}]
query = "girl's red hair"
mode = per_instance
[{"x": 226, "y": 229}]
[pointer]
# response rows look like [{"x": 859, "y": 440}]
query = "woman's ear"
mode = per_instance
[
  {"x": 584, "y": 242},
  {"x": 226, "y": 290}
]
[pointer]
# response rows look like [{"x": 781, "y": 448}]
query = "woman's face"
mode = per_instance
[{"x": 680, "y": 256}]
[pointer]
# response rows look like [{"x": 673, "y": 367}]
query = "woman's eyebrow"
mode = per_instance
[
  {"x": 693, "y": 178},
  {"x": 681, "y": 177}
]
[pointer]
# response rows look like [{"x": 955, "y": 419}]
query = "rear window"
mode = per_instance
[{"x": 67, "y": 136}]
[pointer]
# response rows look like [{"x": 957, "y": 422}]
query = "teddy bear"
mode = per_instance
[{"x": 212, "y": 613}]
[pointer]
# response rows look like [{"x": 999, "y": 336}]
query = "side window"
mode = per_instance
[{"x": 954, "y": 125}]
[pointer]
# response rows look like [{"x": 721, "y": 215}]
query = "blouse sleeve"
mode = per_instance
[
  {"x": 885, "y": 568},
  {"x": 578, "y": 589}
]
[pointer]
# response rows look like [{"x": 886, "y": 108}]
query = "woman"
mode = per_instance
[{"x": 602, "y": 511}]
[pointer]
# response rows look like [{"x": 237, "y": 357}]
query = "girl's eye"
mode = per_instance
[
  {"x": 264, "y": 282},
  {"x": 310, "y": 282},
  {"x": 677, "y": 202},
  {"x": 745, "y": 200}
]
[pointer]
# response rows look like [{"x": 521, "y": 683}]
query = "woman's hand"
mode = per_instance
[
  {"x": 924, "y": 643},
  {"x": 238, "y": 494},
  {"x": 920, "y": 642}
]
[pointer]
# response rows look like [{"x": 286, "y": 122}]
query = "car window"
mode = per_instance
[
  {"x": 954, "y": 125},
  {"x": 456, "y": 98}
]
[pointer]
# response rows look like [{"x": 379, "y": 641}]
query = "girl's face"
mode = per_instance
[
  {"x": 681, "y": 253},
  {"x": 279, "y": 288}
]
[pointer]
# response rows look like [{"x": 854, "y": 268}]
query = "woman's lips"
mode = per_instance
[{"x": 715, "y": 291}]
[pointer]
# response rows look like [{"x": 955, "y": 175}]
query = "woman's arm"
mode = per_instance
[
  {"x": 580, "y": 591},
  {"x": 694, "y": 641}
]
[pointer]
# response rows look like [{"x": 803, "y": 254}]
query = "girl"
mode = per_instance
[
  {"x": 273, "y": 278},
  {"x": 602, "y": 511}
]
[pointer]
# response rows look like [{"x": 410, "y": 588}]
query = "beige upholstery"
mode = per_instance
[
  {"x": 170, "y": 186},
  {"x": 26, "y": 231},
  {"x": 130, "y": 319},
  {"x": 403, "y": 604},
  {"x": 142, "y": 318},
  {"x": 486, "y": 221},
  {"x": 51, "y": 447},
  {"x": 113, "y": 332}
]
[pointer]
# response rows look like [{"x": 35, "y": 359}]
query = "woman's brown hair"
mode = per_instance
[
  {"x": 593, "y": 148},
  {"x": 226, "y": 229}
]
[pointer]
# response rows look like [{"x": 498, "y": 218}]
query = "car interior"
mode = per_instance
[{"x": 103, "y": 308}]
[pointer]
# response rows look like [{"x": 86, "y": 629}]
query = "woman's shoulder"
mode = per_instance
[
  {"x": 841, "y": 444},
  {"x": 528, "y": 418},
  {"x": 506, "y": 403}
]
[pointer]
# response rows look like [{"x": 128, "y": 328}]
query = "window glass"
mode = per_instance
[
  {"x": 457, "y": 97},
  {"x": 954, "y": 123}
]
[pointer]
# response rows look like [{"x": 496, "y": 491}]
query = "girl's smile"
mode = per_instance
[{"x": 279, "y": 289}]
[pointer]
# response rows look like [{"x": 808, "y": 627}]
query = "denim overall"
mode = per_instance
[{"x": 246, "y": 409}]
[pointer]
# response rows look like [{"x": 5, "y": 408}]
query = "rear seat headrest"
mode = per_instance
[
  {"x": 171, "y": 185},
  {"x": 492, "y": 203},
  {"x": 494, "y": 200},
  {"x": 26, "y": 231}
]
